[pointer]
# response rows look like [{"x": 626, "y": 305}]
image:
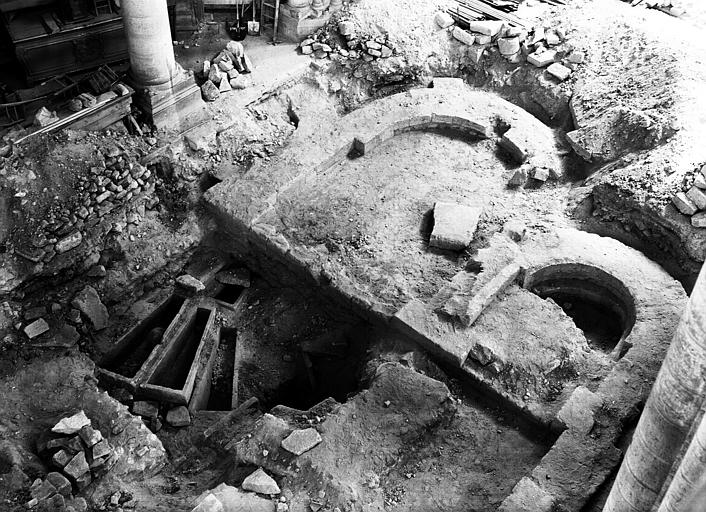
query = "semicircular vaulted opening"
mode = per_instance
[{"x": 598, "y": 303}]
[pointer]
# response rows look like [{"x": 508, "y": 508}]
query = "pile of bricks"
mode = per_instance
[
  {"x": 542, "y": 46},
  {"x": 113, "y": 182},
  {"x": 691, "y": 201},
  {"x": 224, "y": 73},
  {"x": 80, "y": 454},
  {"x": 347, "y": 43}
]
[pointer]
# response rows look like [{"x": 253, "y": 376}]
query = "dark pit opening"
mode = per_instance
[
  {"x": 174, "y": 368},
  {"x": 598, "y": 303},
  {"x": 321, "y": 375},
  {"x": 138, "y": 344},
  {"x": 221, "y": 396},
  {"x": 229, "y": 293}
]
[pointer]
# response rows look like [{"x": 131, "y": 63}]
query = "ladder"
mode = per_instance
[{"x": 275, "y": 17}]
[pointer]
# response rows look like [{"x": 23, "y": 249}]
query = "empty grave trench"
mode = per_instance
[
  {"x": 597, "y": 302},
  {"x": 138, "y": 344}
]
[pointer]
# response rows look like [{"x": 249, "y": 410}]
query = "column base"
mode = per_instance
[{"x": 174, "y": 106}]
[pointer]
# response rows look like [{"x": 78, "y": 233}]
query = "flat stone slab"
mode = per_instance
[
  {"x": 88, "y": 302},
  {"x": 72, "y": 424},
  {"x": 301, "y": 441},
  {"x": 454, "y": 226}
]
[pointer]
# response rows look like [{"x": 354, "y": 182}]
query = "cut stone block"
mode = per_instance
[
  {"x": 698, "y": 197},
  {"x": 36, "y": 328},
  {"x": 301, "y": 441},
  {"x": 540, "y": 174},
  {"x": 578, "y": 411},
  {"x": 454, "y": 226},
  {"x": 43, "y": 489},
  {"x": 100, "y": 449},
  {"x": 60, "y": 482},
  {"x": 487, "y": 28},
  {"x": 61, "y": 458},
  {"x": 89, "y": 435},
  {"x": 483, "y": 39},
  {"x": 442, "y": 19},
  {"x": 71, "y": 424},
  {"x": 542, "y": 59},
  {"x": 699, "y": 220},
  {"x": 260, "y": 482},
  {"x": 700, "y": 181},
  {"x": 69, "y": 242},
  {"x": 559, "y": 71},
  {"x": 684, "y": 204},
  {"x": 77, "y": 467},
  {"x": 210, "y": 91},
  {"x": 463, "y": 36}
]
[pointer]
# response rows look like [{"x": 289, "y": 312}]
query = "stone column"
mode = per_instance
[
  {"x": 689, "y": 473},
  {"x": 669, "y": 412},
  {"x": 149, "y": 42}
]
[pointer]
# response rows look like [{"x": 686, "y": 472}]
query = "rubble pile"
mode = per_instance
[
  {"x": 225, "y": 72},
  {"x": 115, "y": 180},
  {"x": 691, "y": 200},
  {"x": 176, "y": 417},
  {"x": 543, "y": 46},
  {"x": 666, "y": 6},
  {"x": 79, "y": 454},
  {"x": 347, "y": 42}
]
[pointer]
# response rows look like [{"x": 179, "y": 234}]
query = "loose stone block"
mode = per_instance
[
  {"x": 559, "y": 71},
  {"x": 461, "y": 35},
  {"x": 69, "y": 242},
  {"x": 543, "y": 59},
  {"x": 260, "y": 482},
  {"x": 179, "y": 417},
  {"x": 100, "y": 449},
  {"x": 700, "y": 181},
  {"x": 699, "y": 220},
  {"x": 301, "y": 441},
  {"x": 190, "y": 283},
  {"x": 684, "y": 204},
  {"x": 540, "y": 174},
  {"x": 60, "y": 482},
  {"x": 442, "y": 19},
  {"x": 77, "y": 466},
  {"x": 487, "y": 27},
  {"x": 36, "y": 328},
  {"x": 88, "y": 302},
  {"x": 209, "y": 91},
  {"x": 42, "y": 489},
  {"x": 454, "y": 226},
  {"x": 145, "y": 409},
  {"x": 509, "y": 45},
  {"x": 518, "y": 178},
  {"x": 89, "y": 435},
  {"x": 72, "y": 424},
  {"x": 698, "y": 197}
]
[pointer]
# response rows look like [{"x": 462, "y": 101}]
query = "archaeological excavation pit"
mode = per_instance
[{"x": 405, "y": 261}]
